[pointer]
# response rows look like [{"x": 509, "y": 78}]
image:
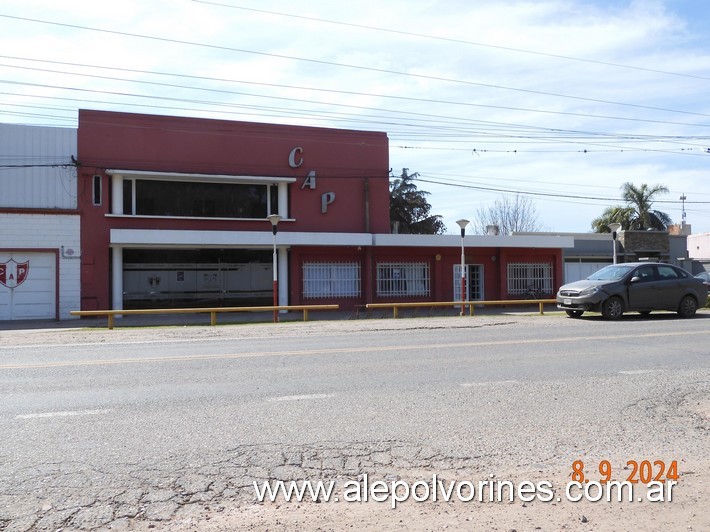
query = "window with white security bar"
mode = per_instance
[
  {"x": 530, "y": 279},
  {"x": 331, "y": 279},
  {"x": 403, "y": 279}
]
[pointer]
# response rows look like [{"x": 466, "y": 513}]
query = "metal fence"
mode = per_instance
[{"x": 331, "y": 280}]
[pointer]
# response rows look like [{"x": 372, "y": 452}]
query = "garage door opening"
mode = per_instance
[
  {"x": 196, "y": 278},
  {"x": 28, "y": 286}
]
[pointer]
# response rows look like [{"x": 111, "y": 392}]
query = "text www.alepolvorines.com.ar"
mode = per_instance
[{"x": 440, "y": 490}]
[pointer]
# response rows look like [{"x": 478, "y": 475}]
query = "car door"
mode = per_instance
[
  {"x": 669, "y": 287},
  {"x": 642, "y": 288}
]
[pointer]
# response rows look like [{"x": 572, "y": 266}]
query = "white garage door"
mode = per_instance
[
  {"x": 574, "y": 271},
  {"x": 28, "y": 286}
]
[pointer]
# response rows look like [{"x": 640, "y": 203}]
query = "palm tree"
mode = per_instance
[
  {"x": 638, "y": 212},
  {"x": 618, "y": 214},
  {"x": 641, "y": 200}
]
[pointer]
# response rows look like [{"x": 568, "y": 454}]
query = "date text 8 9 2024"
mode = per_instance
[{"x": 644, "y": 471}]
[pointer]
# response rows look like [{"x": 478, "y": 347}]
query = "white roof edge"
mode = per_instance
[
  {"x": 141, "y": 237},
  {"x": 576, "y": 236},
  {"x": 293, "y": 238},
  {"x": 498, "y": 241},
  {"x": 199, "y": 177}
]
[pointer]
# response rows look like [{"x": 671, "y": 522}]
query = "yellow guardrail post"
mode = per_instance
[
  {"x": 471, "y": 304},
  {"x": 111, "y": 314}
]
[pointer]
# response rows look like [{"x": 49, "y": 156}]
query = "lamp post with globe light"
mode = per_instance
[
  {"x": 275, "y": 219},
  {"x": 462, "y": 224}
]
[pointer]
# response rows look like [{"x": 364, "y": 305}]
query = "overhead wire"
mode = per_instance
[
  {"x": 456, "y": 41},
  {"x": 455, "y": 127},
  {"x": 351, "y": 66}
]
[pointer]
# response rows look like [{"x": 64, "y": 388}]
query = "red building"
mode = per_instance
[{"x": 173, "y": 213}]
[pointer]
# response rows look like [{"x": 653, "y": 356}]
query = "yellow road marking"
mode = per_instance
[{"x": 309, "y": 352}]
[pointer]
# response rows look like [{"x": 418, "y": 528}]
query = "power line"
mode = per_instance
[
  {"x": 320, "y": 89},
  {"x": 544, "y": 194},
  {"x": 350, "y": 66},
  {"x": 459, "y": 123},
  {"x": 457, "y": 41}
]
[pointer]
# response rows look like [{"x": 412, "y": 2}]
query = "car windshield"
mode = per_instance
[{"x": 610, "y": 273}]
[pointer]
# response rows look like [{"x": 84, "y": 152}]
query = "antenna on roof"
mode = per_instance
[{"x": 682, "y": 199}]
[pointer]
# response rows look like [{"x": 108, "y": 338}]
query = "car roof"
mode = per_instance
[{"x": 641, "y": 263}]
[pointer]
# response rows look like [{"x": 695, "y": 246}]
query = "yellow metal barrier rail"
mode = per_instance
[
  {"x": 470, "y": 304},
  {"x": 213, "y": 311}
]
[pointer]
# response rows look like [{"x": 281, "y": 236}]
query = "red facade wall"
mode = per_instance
[
  {"x": 352, "y": 165},
  {"x": 441, "y": 264}
]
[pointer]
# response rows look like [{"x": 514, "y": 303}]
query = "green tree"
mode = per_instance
[
  {"x": 638, "y": 213},
  {"x": 409, "y": 208}
]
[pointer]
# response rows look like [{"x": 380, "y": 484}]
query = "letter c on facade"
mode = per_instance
[{"x": 295, "y": 158}]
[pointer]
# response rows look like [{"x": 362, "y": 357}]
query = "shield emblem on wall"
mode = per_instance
[{"x": 13, "y": 273}]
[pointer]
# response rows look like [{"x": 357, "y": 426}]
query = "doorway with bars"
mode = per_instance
[{"x": 474, "y": 282}]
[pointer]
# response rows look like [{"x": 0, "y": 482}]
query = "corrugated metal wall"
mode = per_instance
[{"x": 26, "y": 180}]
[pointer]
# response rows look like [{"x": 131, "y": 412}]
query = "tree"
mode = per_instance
[
  {"x": 509, "y": 214},
  {"x": 637, "y": 213},
  {"x": 409, "y": 209}
]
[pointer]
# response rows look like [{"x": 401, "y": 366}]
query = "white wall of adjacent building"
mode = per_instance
[
  {"x": 699, "y": 246},
  {"x": 40, "y": 251},
  {"x": 27, "y": 178},
  {"x": 45, "y": 241}
]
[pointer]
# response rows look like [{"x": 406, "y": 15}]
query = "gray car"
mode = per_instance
[{"x": 641, "y": 287}]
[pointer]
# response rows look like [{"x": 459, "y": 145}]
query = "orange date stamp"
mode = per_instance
[{"x": 643, "y": 471}]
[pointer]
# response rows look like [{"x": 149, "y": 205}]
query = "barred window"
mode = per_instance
[
  {"x": 331, "y": 279},
  {"x": 403, "y": 279},
  {"x": 525, "y": 278}
]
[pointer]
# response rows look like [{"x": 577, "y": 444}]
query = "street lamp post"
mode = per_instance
[
  {"x": 275, "y": 219},
  {"x": 614, "y": 230},
  {"x": 462, "y": 224}
]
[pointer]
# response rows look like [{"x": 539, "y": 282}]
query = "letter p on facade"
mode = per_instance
[{"x": 325, "y": 200}]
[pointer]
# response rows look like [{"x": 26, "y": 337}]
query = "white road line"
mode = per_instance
[
  {"x": 63, "y": 414},
  {"x": 302, "y": 397},
  {"x": 487, "y": 383},
  {"x": 639, "y": 371}
]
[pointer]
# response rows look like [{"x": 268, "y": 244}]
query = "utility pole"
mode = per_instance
[{"x": 682, "y": 199}]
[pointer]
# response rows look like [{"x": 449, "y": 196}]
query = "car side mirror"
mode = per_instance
[{"x": 635, "y": 279}]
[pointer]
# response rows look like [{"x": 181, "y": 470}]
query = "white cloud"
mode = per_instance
[{"x": 454, "y": 113}]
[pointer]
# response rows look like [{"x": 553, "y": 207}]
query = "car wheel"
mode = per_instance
[
  {"x": 612, "y": 308},
  {"x": 574, "y": 313},
  {"x": 687, "y": 307}
]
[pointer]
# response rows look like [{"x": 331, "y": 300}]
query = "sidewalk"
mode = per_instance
[{"x": 183, "y": 320}]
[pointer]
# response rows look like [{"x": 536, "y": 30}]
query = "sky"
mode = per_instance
[{"x": 559, "y": 101}]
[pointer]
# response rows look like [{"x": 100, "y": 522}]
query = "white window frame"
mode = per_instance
[
  {"x": 527, "y": 277},
  {"x": 403, "y": 279},
  {"x": 331, "y": 280}
]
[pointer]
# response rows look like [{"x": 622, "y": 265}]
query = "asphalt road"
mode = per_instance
[{"x": 104, "y": 427}]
